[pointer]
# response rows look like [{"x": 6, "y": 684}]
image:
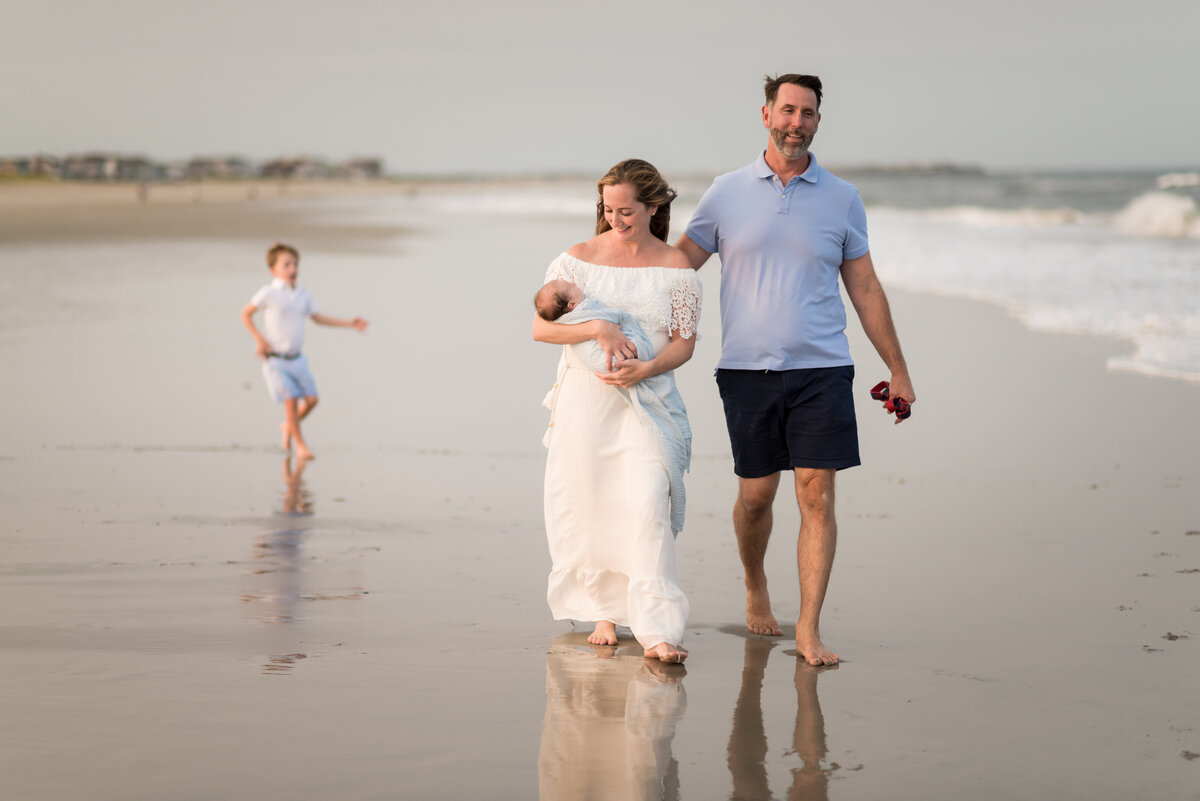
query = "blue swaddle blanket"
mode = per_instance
[{"x": 655, "y": 401}]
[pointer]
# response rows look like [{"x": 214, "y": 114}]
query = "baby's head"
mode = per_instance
[{"x": 557, "y": 298}]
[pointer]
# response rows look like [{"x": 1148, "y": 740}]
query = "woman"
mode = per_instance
[{"x": 607, "y": 488}]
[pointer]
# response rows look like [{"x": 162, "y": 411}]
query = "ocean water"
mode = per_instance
[
  {"x": 1114, "y": 255},
  {"x": 1101, "y": 254}
]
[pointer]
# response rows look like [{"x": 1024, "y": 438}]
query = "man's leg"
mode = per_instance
[
  {"x": 752, "y": 520},
  {"x": 814, "y": 557}
]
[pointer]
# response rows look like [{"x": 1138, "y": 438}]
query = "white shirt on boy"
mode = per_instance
[{"x": 285, "y": 310}]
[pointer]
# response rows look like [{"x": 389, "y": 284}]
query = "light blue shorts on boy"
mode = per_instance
[{"x": 289, "y": 378}]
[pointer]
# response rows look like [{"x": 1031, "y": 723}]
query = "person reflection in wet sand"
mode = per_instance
[
  {"x": 610, "y": 720},
  {"x": 748, "y": 739},
  {"x": 277, "y": 559},
  {"x": 297, "y": 500}
]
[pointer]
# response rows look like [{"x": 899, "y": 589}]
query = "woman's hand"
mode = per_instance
[
  {"x": 627, "y": 373},
  {"x": 616, "y": 346}
]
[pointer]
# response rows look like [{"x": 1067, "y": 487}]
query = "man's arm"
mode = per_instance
[
  {"x": 695, "y": 254},
  {"x": 871, "y": 304},
  {"x": 260, "y": 345},
  {"x": 357, "y": 323}
]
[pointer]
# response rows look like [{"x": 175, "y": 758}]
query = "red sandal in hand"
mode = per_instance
[{"x": 900, "y": 406}]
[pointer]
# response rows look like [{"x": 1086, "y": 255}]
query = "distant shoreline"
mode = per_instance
[
  {"x": 408, "y": 179},
  {"x": 34, "y": 212}
]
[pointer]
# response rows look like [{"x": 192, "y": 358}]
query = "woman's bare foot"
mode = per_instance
[
  {"x": 664, "y": 673},
  {"x": 809, "y": 646},
  {"x": 605, "y": 633},
  {"x": 665, "y": 652},
  {"x": 287, "y": 436},
  {"x": 303, "y": 454},
  {"x": 759, "y": 619}
]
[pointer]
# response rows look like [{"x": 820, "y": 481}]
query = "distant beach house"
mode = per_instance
[
  {"x": 36, "y": 166},
  {"x": 362, "y": 169},
  {"x": 308, "y": 168},
  {"x": 210, "y": 167},
  {"x": 99, "y": 166},
  {"x": 110, "y": 167},
  {"x": 298, "y": 168}
]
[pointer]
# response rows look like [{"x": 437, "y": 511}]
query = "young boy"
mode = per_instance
[{"x": 285, "y": 306}]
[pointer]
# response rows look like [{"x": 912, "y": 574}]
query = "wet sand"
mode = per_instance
[{"x": 184, "y": 614}]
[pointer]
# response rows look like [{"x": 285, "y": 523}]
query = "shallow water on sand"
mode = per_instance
[{"x": 185, "y": 614}]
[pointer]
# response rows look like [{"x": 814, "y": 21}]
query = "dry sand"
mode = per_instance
[
  {"x": 37, "y": 212},
  {"x": 185, "y": 615}
]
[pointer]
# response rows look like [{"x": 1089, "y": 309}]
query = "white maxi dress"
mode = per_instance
[{"x": 607, "y": 511}]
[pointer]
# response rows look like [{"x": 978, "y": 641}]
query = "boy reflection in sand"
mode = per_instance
[
  {"x": 748, "y": 739},
  {"x": 610, "y": 720},
  {"x": 277, "y": 550}
]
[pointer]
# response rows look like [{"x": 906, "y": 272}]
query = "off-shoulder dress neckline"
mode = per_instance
[{"x": 615, "y": 267}]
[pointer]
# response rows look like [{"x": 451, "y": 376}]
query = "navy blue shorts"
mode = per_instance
[{"x": 793, "y": 418}]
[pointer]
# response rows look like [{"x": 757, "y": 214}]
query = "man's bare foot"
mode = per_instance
[
  {"x": 665, "y": 652},
  {"x": 759, "y": 619},
  {"x": 809, "y": 646},
  {"x": 303, "y": 454},
  {"x": 605, "y": 633},
  {"x": 287, "y": 436}
]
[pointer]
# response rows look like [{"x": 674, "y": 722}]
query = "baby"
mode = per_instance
[{"x": 556, "y": 298}]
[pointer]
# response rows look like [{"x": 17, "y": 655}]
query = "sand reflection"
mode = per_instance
[
  {"x": 610, "y": 720},
  {"x": 748, "y": 739},
  {"x": 276, "y": 575}
]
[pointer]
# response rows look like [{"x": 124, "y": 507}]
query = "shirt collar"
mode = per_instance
[
  {"x": 279, "y": 283},
  {"x": 763, "y": 170}
]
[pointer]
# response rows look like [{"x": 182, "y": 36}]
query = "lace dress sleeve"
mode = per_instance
[
  {"x": 560, "y": 268},
  {"x": 685, "y": 295}
]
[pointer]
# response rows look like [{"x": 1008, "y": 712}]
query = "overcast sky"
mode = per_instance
[{"x": 546, "y": 85}]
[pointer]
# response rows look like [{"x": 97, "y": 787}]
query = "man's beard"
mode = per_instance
[{"x": 790, "y": 150}]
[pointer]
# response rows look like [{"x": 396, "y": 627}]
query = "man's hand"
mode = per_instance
[
  {"x": 900, "y": 387},
  {"x": 626, "y": 374},
  {"x": 614, "y": 344},
  {"x": 262, "y": 348},
  {"x": 358, "y": 324}
]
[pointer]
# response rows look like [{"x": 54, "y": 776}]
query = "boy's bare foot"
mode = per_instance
[
  {"x": 665, "y": 652},
  {"x": 759, "y": 619},
  {"x": 303, "y": 454},
  {"x": 287, "y": 436},
  {"x": 809, "y": 646},
  {"x": 604, "y": 634}
]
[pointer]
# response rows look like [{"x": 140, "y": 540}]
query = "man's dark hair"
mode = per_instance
[{"x": 771, "y": 87}]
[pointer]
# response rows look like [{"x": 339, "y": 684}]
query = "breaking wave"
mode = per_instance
[{"x": 1160, "y": 214}]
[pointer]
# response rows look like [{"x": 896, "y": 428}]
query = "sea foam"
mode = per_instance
[
  {"x": 1160, "y": 214},
  {"x": 1176, "y": 180},
  {"x": 1079, "y": 279}
]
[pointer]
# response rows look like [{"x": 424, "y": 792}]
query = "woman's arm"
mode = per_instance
[
  {"x": 607, "y": 335},
  {"x": 631, "y": 371}
]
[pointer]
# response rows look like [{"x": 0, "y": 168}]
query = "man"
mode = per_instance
[{"x": 785, "y": 230}]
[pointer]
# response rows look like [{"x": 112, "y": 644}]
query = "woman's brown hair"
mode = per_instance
[{"x": 650, "y": 187}]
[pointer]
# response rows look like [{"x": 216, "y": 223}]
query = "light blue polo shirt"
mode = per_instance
[{"x": 781, "y": 250}]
